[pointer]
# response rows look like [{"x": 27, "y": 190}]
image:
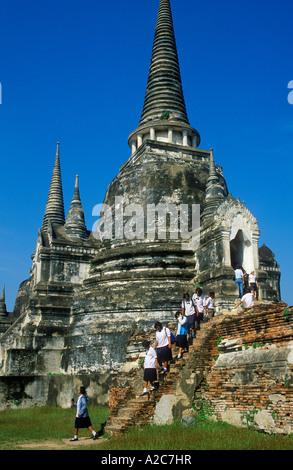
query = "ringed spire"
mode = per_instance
[
  {"x": 164, "y": 116},
  {"x": 164, "y": 93},
  {"x": 215, "y": 192},
  {"x": 55, "y": 203},
  {"x": 75, "y": 223},
  {"x": 3, "y": 309}
]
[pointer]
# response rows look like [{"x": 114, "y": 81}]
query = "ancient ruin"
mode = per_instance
[
  {"x": 167, "y": 224},
  {"x": 239, "y": 369}
]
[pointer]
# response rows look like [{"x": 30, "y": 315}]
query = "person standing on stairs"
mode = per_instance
[
  {"x": 163, "y": 346},
  {"x": 210, "y": 306},
  {"x": 200, "y": 305},
  {"x": 238, "y": 275},
  {"x": 253, "y": 284},
  {"x": 188, "y": 310},
  {"x": 181, "y": 335},
  {"x": 150, "y": 367}
]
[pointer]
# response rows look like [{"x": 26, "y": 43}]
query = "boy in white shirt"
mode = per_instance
[
  {"x": 200, "y": 305},
  {"x": 248, "y": 299},
  {"x": 253, "y": 284},
  {"x": 150, "y": 367},
  {"x": 210, "y": 305}
]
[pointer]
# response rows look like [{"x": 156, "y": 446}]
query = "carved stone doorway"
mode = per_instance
[{"x": 237, "y": 250}]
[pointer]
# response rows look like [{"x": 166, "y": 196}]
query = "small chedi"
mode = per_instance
[{"x": 168, "y": 223}]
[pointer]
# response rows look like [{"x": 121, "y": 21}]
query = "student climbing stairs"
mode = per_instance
[{"x": 128, "y": 408}]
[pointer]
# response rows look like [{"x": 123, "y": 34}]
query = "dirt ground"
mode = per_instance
[{"x": 63, "y": 444}]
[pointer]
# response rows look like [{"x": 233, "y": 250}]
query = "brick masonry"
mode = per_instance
[
  {"x": 239, "y": 369},
  {"x": 251, "y": 381}
]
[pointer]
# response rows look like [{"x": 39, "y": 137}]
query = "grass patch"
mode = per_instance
[
  {"x": 40, "y": 424},
  {"x": 205, "y": 435}
]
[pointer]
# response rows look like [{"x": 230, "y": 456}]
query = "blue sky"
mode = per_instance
[{"x": 75, "y": 71}]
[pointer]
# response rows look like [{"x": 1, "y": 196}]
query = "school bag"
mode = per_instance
[{"x": 173, "y": 339}]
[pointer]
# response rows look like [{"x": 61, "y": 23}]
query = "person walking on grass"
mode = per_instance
[
  {"x": 82, "y": 419},
  {"x": 150, "y": 367}
]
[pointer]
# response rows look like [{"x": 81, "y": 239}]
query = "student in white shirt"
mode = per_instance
[
  {"x": 248, "y": 299},
  {"x": 253, "y": 284},
  {"x": 200, "y": 305},
  {"x": 188, "y": 310},
  {"x": 210, "y": 305},
  {"x": 163, "y": 346},
  {"x": 150, "y": 367}
]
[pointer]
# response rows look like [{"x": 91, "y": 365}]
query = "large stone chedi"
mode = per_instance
[{"x": 168, "y": 223}]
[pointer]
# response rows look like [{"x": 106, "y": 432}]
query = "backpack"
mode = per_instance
[{"x": 173, "y": 339}]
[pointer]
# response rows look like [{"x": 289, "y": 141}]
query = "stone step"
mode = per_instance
[
  {"x": 114, "y": 429},
  {"x": 141, "y": 400},
  {"x": 127, "y": 411},
  {"x": 131, "y": 409},
  {"x": 120, "y": 420},
  {"x": 134, "y": 408}
]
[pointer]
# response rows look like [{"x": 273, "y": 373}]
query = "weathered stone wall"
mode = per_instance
[
  {"x": 250, "y": 376},
  {"x": 239, "y": 369},
  {"x": 52, "y": 390}
]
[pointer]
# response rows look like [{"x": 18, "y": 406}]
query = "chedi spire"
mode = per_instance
[
  {"x": 164, "y": 93},
  {"x": 3, "y": 309},
  {"x": 215, "y": 192},
  {"x": 75, "y": 224},
  {"x": 164, "y": 115},
  {"x": 55, "y": 203}
]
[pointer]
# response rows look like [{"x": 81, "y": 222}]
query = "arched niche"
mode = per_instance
[{"x": 241, "y": 249}]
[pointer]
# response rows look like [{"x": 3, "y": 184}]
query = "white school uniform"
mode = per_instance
[
  {"x": 150, "y": 358},
  {"x": 210, "y": 304},
  {"x": 163, "y": 337},
  {"x": 248, "y": 299},
  {"x": 200, "y": 302},
  {"x": 252, "y": 279},
  {"x": 188, "y": 307}
]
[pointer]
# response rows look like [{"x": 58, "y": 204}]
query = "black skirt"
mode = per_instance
[
  {"x": 164, "y": 354},
  {"x": 150, "y": 375},
  {"x": 82, "y": 422},
  {"x": 181, "y": 341},
  {"x": 191, "y": 321}
]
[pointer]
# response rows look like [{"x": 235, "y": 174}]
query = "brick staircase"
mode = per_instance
[
  {"x": 136, "y": 410},
  {"x": 270, "y": 325}
]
